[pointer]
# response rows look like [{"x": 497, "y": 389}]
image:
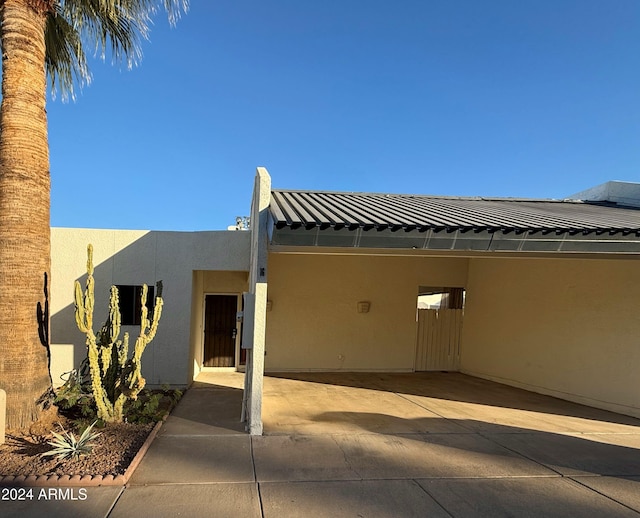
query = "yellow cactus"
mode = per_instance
[
  {"x": 112, "y": 384},
  {"x": 134, "y": 380}
]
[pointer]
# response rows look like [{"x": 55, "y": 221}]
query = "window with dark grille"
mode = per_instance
[{"x": 131, "y": 304}]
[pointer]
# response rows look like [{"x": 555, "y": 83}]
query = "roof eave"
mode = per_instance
[{"x": 462, "y": 239}]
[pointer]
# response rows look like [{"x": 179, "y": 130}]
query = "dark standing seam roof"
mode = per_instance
[{"x": 367, "y": 211}]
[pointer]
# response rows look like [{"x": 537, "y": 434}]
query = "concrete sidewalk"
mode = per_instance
[{"x": 376, "y": 445}]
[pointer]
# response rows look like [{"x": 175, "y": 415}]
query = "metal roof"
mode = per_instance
[{"x": 438, "y": 222}]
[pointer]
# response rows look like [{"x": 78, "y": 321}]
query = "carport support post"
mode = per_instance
[{"x": 258, "y": 287}]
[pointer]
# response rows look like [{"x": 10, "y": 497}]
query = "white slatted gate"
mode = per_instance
[{"x": 438, "y": 341}]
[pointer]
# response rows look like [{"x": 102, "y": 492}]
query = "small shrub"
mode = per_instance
[
  {"x": 76, "y": 398},
  {"x": 66, "y": 445},
  {"x": 152, "y": 406}
]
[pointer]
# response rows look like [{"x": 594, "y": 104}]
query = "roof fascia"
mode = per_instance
[{"x": 458, "y": 240}]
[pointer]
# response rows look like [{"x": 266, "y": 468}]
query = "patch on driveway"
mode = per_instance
[
  {"x": 376, "y": 456},
  {"x": 379, "y": 498},
  {"x": 194, "y": 501},
  {"x": 578, "y": 454},
  {"x": 196, "y": 459},
  {"x": 528, "y": 497},
  {"x": 623, "y": 490}
]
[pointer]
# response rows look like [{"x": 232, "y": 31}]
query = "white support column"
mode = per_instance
[{"x": 252, "y": 413}]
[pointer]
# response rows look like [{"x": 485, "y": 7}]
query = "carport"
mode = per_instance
[
  {"x": 388, "y": 404},
  {"x": 315, "y": 403},
  {"x": 335, "y": 278},
  {"x": 388, "y": 444}
]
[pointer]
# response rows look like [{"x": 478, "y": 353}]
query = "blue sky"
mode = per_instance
[{"x": 452, "y": 97}]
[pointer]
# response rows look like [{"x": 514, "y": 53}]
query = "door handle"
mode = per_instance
[{"x": 234, "y": 333}]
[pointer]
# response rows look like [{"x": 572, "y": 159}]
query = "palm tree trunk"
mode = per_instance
[{"x": 24, "y": 211}]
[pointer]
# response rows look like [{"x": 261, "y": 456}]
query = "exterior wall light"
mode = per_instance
[
  {"x": 269, "y": 305},
  {"x": 363, "y": 306}
]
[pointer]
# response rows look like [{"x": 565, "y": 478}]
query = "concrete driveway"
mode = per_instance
[
  {"x": 431, "y": 444},
  {"x": 383, "y": 445}
]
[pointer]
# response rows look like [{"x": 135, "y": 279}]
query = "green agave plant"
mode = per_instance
[{"x": 66, "y": 445}]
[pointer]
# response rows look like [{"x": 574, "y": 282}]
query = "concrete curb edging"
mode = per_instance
[
  {"x": 143, "y": 450},
  {"x": 84, "y": 480}
]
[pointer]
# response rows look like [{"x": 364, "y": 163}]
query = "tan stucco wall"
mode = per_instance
[
  {"x": 569, "y": 328},
  {"x": 314, "y": 323},
  {"x": 136, "y": 257}
]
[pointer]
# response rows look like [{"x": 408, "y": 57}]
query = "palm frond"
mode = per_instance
[
  {"x": 116, "y": 27},
  {"x": 175, "y": 8},
  {"x": 65, "y": 59}
]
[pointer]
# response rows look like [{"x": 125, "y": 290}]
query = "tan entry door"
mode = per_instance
[
  {"x": 438, "y": 347},
  {"x": 220, "y": 330}
]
